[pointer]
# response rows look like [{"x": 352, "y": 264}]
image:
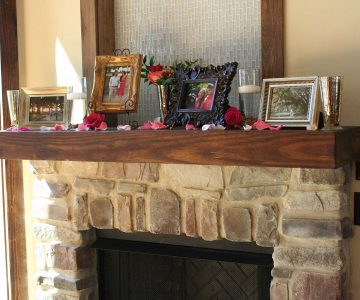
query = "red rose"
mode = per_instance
[
  {"x": 156, "y": 68},
  {"x": 94, "y": 120},
  {"x": 155, "y": 76},
  {"x": 233, "y": 117}
]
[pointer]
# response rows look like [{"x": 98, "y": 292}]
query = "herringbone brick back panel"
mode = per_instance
[{"x": 220, "y": 280}]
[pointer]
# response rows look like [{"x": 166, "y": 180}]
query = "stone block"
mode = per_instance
[
  {"x": 124, "y": 213},
  {"x": 199, "y": 195},
  {"x": 281, "y": 273},
  {"x": 327, "y": 258},
  {"x": 190, "y": 218},
  {"x": 45, "y": 278},
  {"x": 266, "y": 224},
  {"x": 279, "y": 291},
  {"x": 322, "y": 176},
  {"x": 236, "y": 224},
  {"x": 256, "y": 192},
  {"x": 307, "y": 286},
  {"x": 74, "y": 258},
  {"x": 259, "y": 176},
  {"x": 101, "y": 213},
  {"x": 81, "y": 218},
  {"x": 44, "y": 256},
  {"x": 79, "y": 168},
  {"x": 316, "y": 201},
  {"x": 49, "y": 210},
  {"x": 74, "y": 284},
  {"x": 194, "y": 176},
  {"x": 43, "y": 166},
  {"x": 142, "y": 172},
  {"x": 209, "y": 220},
  {"x": 317, "y": 229},
  {"x": 130, "y": 188},
  {"x": 46, "y": 232},
  {"x": 95, "y": 186},
  {"x": 164, "y": 212},
  {"x": 54, "y": 294},
  {"x": 47, "y": 188},
  {"x": 140, "y": 221}
]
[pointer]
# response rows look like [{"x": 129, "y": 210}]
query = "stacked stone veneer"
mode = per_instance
[{"x": 302, "y": 213}]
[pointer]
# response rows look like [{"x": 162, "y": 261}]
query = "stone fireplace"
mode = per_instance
[{"x": 302, "y": 213}]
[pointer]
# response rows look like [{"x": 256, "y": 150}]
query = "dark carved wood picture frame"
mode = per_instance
[{"x": 219, "y": 78}]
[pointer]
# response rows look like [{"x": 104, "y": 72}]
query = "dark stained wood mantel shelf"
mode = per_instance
[{"x": 286, "y": 148}]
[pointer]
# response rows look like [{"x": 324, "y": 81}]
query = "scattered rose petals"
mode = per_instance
[
  {"x": 82, "y": 127},
  {"x": 261, "y": 125},
  {"x": 247, "y": 127},
  {"x": 103, "y": 126},
  {"x": 146, "y": 126},
  {"x": 190, "y": 127},
  {"x": 123, "y": 127},
  {"x": 207, "y": 127},
  {"x": 152, "y": 126},
  {"x": 277, "y": 128},
  {"x": 157, "y": 125},
  {"x": 24, "y": 129},
  {"x": 59, "y": 127}
]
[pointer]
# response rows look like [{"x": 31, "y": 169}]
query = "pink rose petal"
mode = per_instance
[
  {"x": 123, "y": 127},
  {"x": 146, "y": 126},
  {"x": 103, "y": 126},
  {"x": 24, "y": 129},
  {"x": 277, "y": 128},
  {"x": 82, "y": 127},
  {"x": 260, "y": 125},
  {"x": 157, "y": 125},
  {"x": 190, "y": 127},
  {"x": 59, "y": 127}
]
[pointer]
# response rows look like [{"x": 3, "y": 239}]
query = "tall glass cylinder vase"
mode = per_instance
[
  {"x": 76, "y": 101},
  {"x": 164, "y": 95},
  {"x": 249, "y": 94},
  {"x": 13, "y": 97}
]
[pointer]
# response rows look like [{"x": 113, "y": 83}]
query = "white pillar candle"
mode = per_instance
[{"x": 247, "y": 89}]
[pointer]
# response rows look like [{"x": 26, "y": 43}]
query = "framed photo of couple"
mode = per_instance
[
  {"x": 200, "y": 95},
  {"x": 116, "y": 84}
]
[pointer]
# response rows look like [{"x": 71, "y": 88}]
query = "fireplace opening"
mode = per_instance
[{"x": 146, "y": 266}]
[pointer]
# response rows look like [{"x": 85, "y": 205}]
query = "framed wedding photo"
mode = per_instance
[
  {"x": 116, "y": 84},
  {"x": 43, "y": 107},
  {"x": 291, "y": 102}
]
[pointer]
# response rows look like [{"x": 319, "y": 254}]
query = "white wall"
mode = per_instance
[
  {"x": 322, "y": 37},
  {"x": 49, "y": 34}
]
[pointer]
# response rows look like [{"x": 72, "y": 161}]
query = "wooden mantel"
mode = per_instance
[{"x": 286, "y": 148}]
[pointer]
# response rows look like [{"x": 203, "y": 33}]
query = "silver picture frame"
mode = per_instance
[{"x": 290, "y": 102}]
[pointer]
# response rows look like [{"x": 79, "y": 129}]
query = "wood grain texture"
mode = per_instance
[
  {"x": 12, "y": 170},
  {"x": 272, "y": 38},
  {"x": 97, "y": 33},
  {"x": 287, "y": 148}
]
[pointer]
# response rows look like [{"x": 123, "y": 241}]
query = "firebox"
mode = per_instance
[{"x": 161, "y": 267}]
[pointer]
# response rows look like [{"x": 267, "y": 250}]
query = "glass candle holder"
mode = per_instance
[
  {"x": 76, "y": 100},
  {"x": 249, "y": 94},
  {"x": 13, "y": 97}
]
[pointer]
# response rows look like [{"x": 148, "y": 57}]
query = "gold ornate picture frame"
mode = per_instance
[
  {"x": 291, "y": 102},
  {"x": 43, "y": 107},
  {"x": 117, "y": 83}
]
